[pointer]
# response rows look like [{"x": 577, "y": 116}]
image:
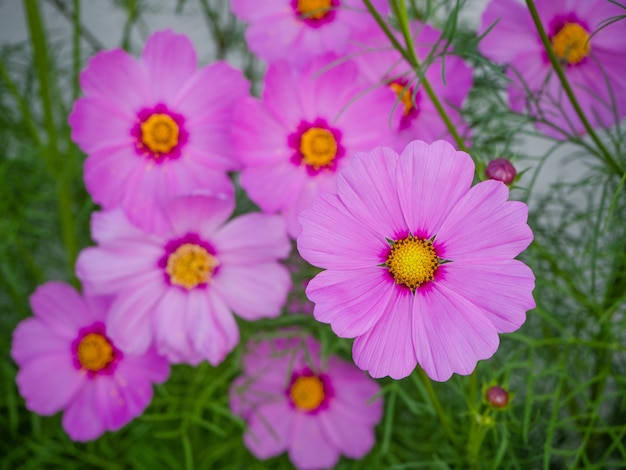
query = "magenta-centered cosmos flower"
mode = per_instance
[
  {"x": 293, "y": 403},
  {"x": 68, "y": 362},
  {"x": 156, "y": 127},
  {"x": 299, "y": 30},
  {"x": 415, "y": 115},
  {"x": 178, "y": 288},
  {"x": 593, "y": 60},
  {"x": 307, "y": 127},
  {"x": 419, "y": 266}
]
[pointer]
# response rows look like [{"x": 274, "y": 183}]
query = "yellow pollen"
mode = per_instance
[
  {"x": 318, "y": 147},
  {"x": 190, "y": 265},
  {"x": 571, "y": 43},
  {"x": 307, "y": 393},
  {"x": 313, "y": 9},
  {"x": 94, "y": 352},
  {"x": 159, "y": 133},
  {"x": 412, "y": 261},
  {"x": 404, "y": 93}
]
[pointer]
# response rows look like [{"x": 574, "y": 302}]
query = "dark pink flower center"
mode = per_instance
[
  {"x": 93, "y": 351},
  {"x": 189, "y": 262},
  {"x": 315, "y": 13},
  {"x": 317, "y": 146},
  {"x": 408, "y": 98},
  {"x": 159, "y": 134},
  {"x": 309, "y": 392}
]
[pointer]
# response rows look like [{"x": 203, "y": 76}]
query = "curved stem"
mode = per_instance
[
  {"x": 443, "y": 419},
  {"x": 554, "y": 60}
]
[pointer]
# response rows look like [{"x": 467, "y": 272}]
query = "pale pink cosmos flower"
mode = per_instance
[
  {"x": 592, "y": 58},
  {"x": 295, "y": 402},
  {"x": 307, "y": 126},
  {"x": 299, "y": 30},
  {"x": 419, "y": 266},
  {"x": 155, "y": 127},
  {"x": 414, "y": 114},
  {"x": 178, "y": 288},
  {"x": 67, "y": 361}
]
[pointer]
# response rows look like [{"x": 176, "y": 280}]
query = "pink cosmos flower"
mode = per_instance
[
  {"x": 295, "y": 402},
  {"x": 592, "y": 58},
  {"x": 68, "y": 362},
  {"x": 299, "y": 30},
  {"x": 156, "y": 127},
  {"x": 178, "y": 288},
  {"x": 414, "y": 114},
  {"x": 419, "y": 266},
  {"x": 305, "y": 129}
]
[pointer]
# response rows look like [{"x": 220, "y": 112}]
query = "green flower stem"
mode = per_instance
[
  {"x": 54, "y": 159},
  {"x": 76, "y": 49},
  {"x": 410, "y": 56},
  {"x": 554, "y": 60},
  {"x": 443, "y": 419}
]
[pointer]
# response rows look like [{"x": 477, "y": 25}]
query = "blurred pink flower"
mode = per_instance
[
  {"x": 156, "y": 127},
  {"x": 67, "y": 361},
  {"x": 178, "y": 288},
  {"x": 305, "y": 129},
  {"x": 592, "y": 57},
  {"x": 298, "y": 30},
  {"x": 414, "y": 114},
  {"x": 294, "y": 402},
  {"x": 419, "y": 266}
]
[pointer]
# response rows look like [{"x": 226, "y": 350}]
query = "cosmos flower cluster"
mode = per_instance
[{"x": 344, "y": 152}]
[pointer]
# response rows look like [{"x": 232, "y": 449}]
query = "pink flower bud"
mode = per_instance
[
  {"x": 497, "y": 396},
  {"x": 501, "y": 169}
]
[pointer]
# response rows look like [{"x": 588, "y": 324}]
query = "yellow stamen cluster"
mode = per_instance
[
  {"x": 159, "y": 133},
  {"x": 307, "y": 393},
  {"x": 94, "y": 352},
  {"x": 571, "y": 43},
  {"x": 404, "y": 93},
  {"x": 412, "y": 261},
  {"x": 190, "y": 265},
  {"x": 318, "y": 147},
  {"x": 313, "y": 9}
]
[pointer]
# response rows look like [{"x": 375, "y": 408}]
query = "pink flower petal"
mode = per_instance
[
  {"x": 32, "y": 338},
  {"x": 333, "y": 239},
  {"x": 346, "y": 431},
  {"x": 431, "y": 180},
  {"x": 273, "y": 188},
  {"x": 49, "y": 382},
  {"x": 269, "y": 430},
  {"x": 61, "y": 308},
  {"x": 450, "y": 335},
  {"x": 113, "y": 226},
  {"x": 387, "y": 349},
  {"x": 116, "y": 76},
  {"x": 81, "y": 419},
  {"x": 351, "y": 301},
  {"x": 251, "y": 238},
  {"x": 502, "y": 289},
  {"x": 310, "y": 448},
  {"x": 253, "y": 292},
  {"x": 169, "y": 60},
  {"x": 201, "y": 212},
  {"x": 483, "y": 224}
]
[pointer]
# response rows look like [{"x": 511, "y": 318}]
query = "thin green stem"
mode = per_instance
[
  {"x": 554, "y": 60},
  {"x": 54, "y": 159},
  {"x": 410, "y": 55},
  {"x": 76, "y": 49},
  {"x": 443, "y": 419}
]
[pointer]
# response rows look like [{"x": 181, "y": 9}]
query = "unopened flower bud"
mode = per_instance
[
  {"x": 497, "y": 396},
  {"x": 501, "y": 169}
]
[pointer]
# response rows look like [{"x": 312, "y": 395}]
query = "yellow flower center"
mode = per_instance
[
  {"x": 94, "y": 352},
  {"x": 404, "y": 94},
  {"x": 571, "y": 43},
  {"x": 313, "y": 9},
  {"x": 190, "y": 265},
  {"x": 318, "y": 147},
  {"x": 412, "y": 261},
  {"x": 159, "y": 133},
  {"x": 307, "y": 393}
]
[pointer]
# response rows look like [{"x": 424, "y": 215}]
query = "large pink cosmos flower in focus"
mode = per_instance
[
  {"x": 307, "y": 127},
  {"x": 67, "y": 361},
  {"x": 293, "y": 403},
  {"x": 419, "y": 266},
  {"x": 592, "y": 57},
  {"x": 299, "y": 30},
  {"x": 178, "y": 288},
  {"x": 414, "y": 114},
  {"x": 156, "y": 127}
]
